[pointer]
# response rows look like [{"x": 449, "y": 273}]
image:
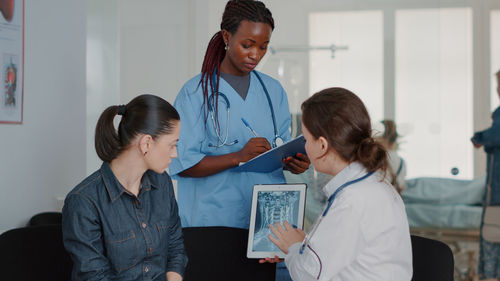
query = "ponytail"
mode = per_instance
[
  {"x": 107, "y": 142},
  {"x": 145, "y": 114},
  {"x": 372, "y": 155},
  {"x": 341, "y": 117},
  {"x": 211, "y": 63}
]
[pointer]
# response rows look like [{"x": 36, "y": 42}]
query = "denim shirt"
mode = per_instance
[
  {"x": 113, "y": 235},
  {"x": 490, "y": 139}
]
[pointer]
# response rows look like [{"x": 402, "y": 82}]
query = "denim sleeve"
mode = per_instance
[
  {"x": 177, "y": 258},
  {"x": 83, "y": 241}
]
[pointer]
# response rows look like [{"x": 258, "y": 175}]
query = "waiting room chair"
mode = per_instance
[
  {"x": 432, "y": 260},
  {"x": 219, "y": 253},
  {"x": 34, "y": 253},
  {"x": 46, "y": 218}
]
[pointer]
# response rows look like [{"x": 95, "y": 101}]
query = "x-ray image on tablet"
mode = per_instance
[{"x": 272, "y": 204}]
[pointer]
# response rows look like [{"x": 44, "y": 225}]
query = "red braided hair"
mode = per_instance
[{"x": 235, "y": 12}]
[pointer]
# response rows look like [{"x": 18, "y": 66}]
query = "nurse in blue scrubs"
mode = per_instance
[{"x": 214, "y": 138}]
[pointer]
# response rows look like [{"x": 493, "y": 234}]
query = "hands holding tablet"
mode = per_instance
[{"x": 286, "y": 236}]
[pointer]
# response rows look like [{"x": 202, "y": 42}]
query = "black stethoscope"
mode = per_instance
[
  {"x": 277, "y": 141},
  {"x": 330, "y": 202}
]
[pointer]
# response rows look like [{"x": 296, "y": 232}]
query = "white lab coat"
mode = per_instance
[{"x": 364, "y": 235}]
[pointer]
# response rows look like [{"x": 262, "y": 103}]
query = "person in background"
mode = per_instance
[
  {"x": 396, "y": 172},
  {"x": 121, "y": 222},
  {"x": 489, "y": 252},
  {"x": 363, "y": 232}
]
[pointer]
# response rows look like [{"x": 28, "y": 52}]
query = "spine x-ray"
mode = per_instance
[{"x": 273, "y": 207}]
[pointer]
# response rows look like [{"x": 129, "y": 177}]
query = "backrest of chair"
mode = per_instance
[
  {"x": 46, "y": 218},
  {"x": 432, "y": 260},
  {"x": 219, "y": 253},
  {"x": 34, "y": 253}
]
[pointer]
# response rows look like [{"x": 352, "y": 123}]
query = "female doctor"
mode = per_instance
[
  {"x": 363, "y": 232},
  {"x": 214, "y": 107}
]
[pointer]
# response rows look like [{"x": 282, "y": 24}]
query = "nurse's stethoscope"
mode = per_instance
[
  {"x": 277, "y": 140},
  {"x": 308, "y": 237}
]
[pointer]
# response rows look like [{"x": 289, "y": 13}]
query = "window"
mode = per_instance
[
  {"x": 495, "y": 55},
  {"x": 358, "y": 69},
  {"x": 433, "y": 51}
]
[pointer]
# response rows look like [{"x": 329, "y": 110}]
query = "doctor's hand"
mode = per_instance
[
  {"x": 276, "y": 259},
  {"x": 253, "y": 148},
  {"x": 285, "y": 236},
  {"x": 297, "y": 164}
]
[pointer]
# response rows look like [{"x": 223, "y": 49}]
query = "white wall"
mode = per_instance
[
  {"x": 103, "y": 68},
  {"x": 45, "y": 156},
  {"x": 153, "y": 48}
]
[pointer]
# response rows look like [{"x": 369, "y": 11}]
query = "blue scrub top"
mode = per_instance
[{"x": 224, "y": 199}]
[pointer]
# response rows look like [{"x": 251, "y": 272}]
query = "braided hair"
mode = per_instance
[{"x": 235, "y": 12}]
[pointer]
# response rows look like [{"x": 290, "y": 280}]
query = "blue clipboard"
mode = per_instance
[{"x": 273, "y": 159}]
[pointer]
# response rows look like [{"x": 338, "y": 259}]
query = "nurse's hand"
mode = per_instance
[
  {"x": 285, "y": 236},
  {"x": 297, "y": 164},
  {"x": 253, "y": 148}
]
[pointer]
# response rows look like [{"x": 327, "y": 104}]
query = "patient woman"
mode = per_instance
[
  {"x": 121, "y": 222},
  {"x": 362, "y": 233}
]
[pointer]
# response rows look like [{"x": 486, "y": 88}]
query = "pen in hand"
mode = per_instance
[{"x": 250, "y": 128}]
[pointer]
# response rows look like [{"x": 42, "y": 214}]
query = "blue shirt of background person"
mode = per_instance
[
  {"x": 121, "y": 222},
  {"x": 214, "y": 139},
  {"x": 489, "y": 252},
  {"x": 490, "y": 139}
]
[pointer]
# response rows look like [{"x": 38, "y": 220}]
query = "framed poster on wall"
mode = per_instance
[{"x": 11, "y": 61}]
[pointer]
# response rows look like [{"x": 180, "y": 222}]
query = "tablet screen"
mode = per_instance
[{"x": 272, "y": 204}]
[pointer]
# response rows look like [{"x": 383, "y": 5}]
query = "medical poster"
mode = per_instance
[{"x": 11, "y": 61}]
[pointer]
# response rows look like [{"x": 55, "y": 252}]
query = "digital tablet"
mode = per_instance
[{"x": 272, "y": 203}]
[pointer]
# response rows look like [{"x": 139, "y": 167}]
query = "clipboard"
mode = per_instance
[{"x": 273, "y": 159}]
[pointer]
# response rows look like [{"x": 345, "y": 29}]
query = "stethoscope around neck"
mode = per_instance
[
  {"x": 308, "y": 237},
  {"x": 222, "y": 141}
]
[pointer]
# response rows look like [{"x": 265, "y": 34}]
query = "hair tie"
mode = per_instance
[{"x": 121, "y": 109}]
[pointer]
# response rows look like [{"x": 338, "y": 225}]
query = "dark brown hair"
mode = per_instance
[
  {"x": 235, "y": 12},
  {"x": 145, "y": 114},
  {"x": 390, "y": 132},
  {"x": 341, "y": 118}
]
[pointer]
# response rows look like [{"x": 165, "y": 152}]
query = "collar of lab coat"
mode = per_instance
[{"x": 352, "y": 172}]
